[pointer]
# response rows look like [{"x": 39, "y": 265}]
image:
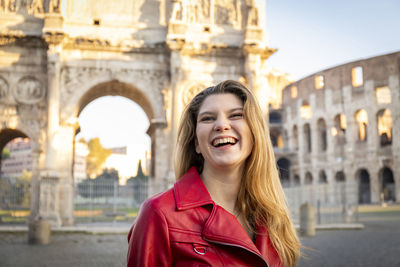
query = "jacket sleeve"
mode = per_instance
[{"x": 148, "y": 239}]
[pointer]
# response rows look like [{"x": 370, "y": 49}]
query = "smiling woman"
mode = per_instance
[{"x": 227, "y": 207}]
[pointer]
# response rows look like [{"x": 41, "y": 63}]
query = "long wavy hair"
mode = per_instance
[{"x": 260, "y": 198}]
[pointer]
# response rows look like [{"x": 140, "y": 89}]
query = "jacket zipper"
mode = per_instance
[{"x": 235, "y": 245}]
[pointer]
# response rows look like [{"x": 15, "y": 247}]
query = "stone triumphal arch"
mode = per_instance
[{"x": 56, "y": 56}]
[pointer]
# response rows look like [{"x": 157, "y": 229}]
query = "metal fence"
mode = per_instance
[
  {"x": 333, "y": 203},
  {"x": 15, "y": 196},
  {"x": 101, "y": 201},
  {"x": 105, "y": 201}
]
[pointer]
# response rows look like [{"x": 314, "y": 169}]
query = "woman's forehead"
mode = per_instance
[{"x": 224, "y": 101}]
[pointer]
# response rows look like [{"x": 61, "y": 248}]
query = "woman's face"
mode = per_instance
[{"x": 223, "y": 136}]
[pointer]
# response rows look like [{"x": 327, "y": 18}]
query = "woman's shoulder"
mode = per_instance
[{"x": 160, "y": 202}]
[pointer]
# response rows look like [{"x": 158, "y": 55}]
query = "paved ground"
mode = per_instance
[{"x": 377, "y": 245}]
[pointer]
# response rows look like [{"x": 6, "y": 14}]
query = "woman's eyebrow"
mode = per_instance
[{"x": 213, "y": 112}]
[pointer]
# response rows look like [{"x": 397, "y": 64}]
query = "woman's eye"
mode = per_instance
[
  {"x": 206, "y": 118},
  {"x": 237, "y": 115}
]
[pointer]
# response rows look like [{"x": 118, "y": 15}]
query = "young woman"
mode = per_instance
[{"x": 227, "y": 207}]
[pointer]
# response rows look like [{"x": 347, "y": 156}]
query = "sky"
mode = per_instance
[
  {"x": 310, "y": 36},
  {"x": 315, "y": 35}
]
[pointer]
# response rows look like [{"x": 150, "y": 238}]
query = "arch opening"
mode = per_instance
[
  {"x": 387, "y": 185},
  {"x": 308, "y": 178},
  {"x": 307, "y": 138},
  {"x": 296, "y": 180},
  {"x": 322, "y": 177},
  {"x": 384, "y": 118},
  {"x": 117, "y": 121},
  {"x": 361, "y": 118},
  {"x": 322, "y": 135},
  {"x": 364, "y": 187},
  {"x": 284, "y": 171},
  {"x": 15, "y": 176},
  {"x": 275, "y": 117},
  {"x": 276, "y": 138},
  {"x": 295, "y": 138},
  {"x": 305, "y": 110},
  {"x": 339, "y": 129},
  {"x": 340, "y": 177}
]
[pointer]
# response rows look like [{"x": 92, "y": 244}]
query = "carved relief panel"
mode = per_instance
[
  {"x": 198, "y": 11},
  {"x": 28, "y": 91},
  {"x": 3, "y": 89},
  {"x": 30, "y": 6},
  {"x": 226, "y": 12}
]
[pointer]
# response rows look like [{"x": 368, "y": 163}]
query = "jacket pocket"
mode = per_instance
[{"x": 190, "y": 249}]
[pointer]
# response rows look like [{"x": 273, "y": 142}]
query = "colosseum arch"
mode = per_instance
[
  {"x": 384, "y": 122},
  {"x": 296, "y": 180},
  {"x": 308, "y": 179},
  {"x": 295, "y": 138},
  {"x": 339, "y": 129},
  {"x": 276, "y": 138},
  {"x": 322, "y": 135},
  {"x": 284, "y": 171},
  {"x": 322, "y": 179},
  {"x": 275, "y": 117},
  {"x": 305, "y": 110},
  {"x": 307, "y": 138},
  {"x": 361, "y": 118},
  {"x": 364, "y": 186},
  {"x": 340, "y": 177},
  {"x": 387, "y": 184}
]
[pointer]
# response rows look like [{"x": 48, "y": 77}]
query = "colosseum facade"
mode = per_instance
[{"x": 341, "y": 126}]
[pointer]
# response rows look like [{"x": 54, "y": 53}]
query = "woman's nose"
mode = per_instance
[{"x": 222, "y": 124}]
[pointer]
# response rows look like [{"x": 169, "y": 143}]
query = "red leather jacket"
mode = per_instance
[{"x": 184, "y": 227}]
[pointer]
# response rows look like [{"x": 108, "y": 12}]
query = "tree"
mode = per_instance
[
  {"x": 5, "y": 154},
  {"x": 96, "y": 158}
]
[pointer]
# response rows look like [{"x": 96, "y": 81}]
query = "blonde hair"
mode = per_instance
[{"x": 260, "y": 198}]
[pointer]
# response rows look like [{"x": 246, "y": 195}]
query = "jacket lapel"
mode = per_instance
[
  {"x": 266, "y": 248},
  {"x": 190, "y": 192},
  {"x": 223, "y": 228}
]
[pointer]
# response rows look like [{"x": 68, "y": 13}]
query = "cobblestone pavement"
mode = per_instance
[
  {"x": 71, "y": 249},
  {"x": 377, "y": 245}
]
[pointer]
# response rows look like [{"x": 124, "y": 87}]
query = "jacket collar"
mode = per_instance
[{"x": 190, "y": 191}]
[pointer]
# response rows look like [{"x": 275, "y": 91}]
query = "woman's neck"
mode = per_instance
[{"x": 223, "y": 186}]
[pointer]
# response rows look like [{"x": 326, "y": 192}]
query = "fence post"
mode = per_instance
[
  {"x": 90, "y": 199},
  {"x": 115, "y": 200},
  {"x": 307, "y": 220}
]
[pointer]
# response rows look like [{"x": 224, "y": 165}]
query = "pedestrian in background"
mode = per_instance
[{"x": 227, "y": 207}]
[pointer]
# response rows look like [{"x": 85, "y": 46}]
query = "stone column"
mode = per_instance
[
  {"x": 254, "y": 79},
  {"x": 35, "y": 198},
  {"x": 394, "y": 85},
  {"x": 159, "y": 173},
  {"x": 49, "y": 177},
  {"x": 64, "y": 140}
]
